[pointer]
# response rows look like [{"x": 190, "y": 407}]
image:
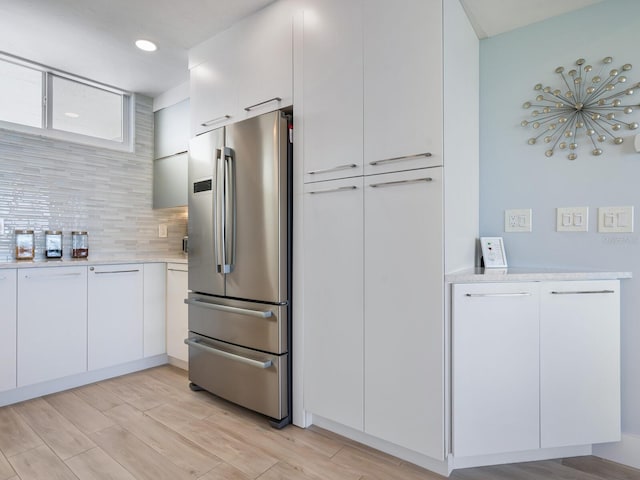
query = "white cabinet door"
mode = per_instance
[
  {"x": 177, "y": 311},
  {"x": 495, "y": 368},
  {"x": 404, "y": 315},
  {"x": 52, "y": 323},
  {"x": 265, "y": 77},
  {"x": 333, "y": 301},
  {"x": 403, "y": 85},
  {"x": 171, "y": 130},
  {"x": 332, "y": 90},
  {"x": 8, "y": 292},
  {"x": 155, "y": 294},
  {"x": 580, "y": 363},
  {"x": 115, "y": 314}
]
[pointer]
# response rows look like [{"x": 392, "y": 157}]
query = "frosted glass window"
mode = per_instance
[
  {"x": 20, "y": 95},
  {"x": 87, "y": 110}
]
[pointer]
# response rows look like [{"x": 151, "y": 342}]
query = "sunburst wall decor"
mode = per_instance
[{"x": 590, "y": 106}]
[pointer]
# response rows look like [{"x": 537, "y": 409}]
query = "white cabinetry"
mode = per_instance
[
  {"x": 115, "y": 320},
  {"x": 8, "y": 292},
  {"x": 244, "y": 71},
  {"x": 404, "y": 328},
  {"x": 52, "y": 323},
  {"x": 334, "y": 369},
  {"x": 495, "y": 380},
  {"x": 332, "y": 90},
  {"x": 155, "y": 294},
  {"x": 579, "y": 363},
  {"x": 535, "y": 365},
  {"x": 177, "y": 312},
  {"x": 403, "y": 84}
]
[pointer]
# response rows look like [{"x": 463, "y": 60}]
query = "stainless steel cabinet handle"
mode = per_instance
[
  {"x": 213, "y": 121},
  {"x": 515, "y": 294},
  {"x": 177, "y": 270},
  {"x": 397, "y": 159},
  {"x": 401, "y": 182},
  {"x": 55, "y": 275},
  {"x": 583, "y": 292},
  {"x": 224, "y": 308},
  {"x": 193, "y": 342},
  {"x": 338, "y": 189},
  {"x": 333, "y": 169},
  {"x": 274, "y": 99},
  {"x": 116, "y": 271}
]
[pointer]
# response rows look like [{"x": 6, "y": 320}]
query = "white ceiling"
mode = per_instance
[{"x": 94, "y": 38}]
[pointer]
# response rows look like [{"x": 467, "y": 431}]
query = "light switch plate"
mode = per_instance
[
  {"x": 615, "y": 219},
  {"x": 517, "y": 220},
  {"x": 162, "y": 230},
  {"x": 572, "y": 219}
]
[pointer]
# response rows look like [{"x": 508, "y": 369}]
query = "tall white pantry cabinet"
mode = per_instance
[{"x": 390, "y": 203}]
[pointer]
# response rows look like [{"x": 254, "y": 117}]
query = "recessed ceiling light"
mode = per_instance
[
  {"x": 146, "y": 45},
  {"x": 72, "y": 114}
]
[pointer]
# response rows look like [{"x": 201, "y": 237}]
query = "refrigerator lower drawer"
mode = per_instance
[{"x": 255, "y": 380}]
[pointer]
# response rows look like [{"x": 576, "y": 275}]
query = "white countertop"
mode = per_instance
[
  {"x": 74, "y": 262},
  {"x": 530, "y": 274}
]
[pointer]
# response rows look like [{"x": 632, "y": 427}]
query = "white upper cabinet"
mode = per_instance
[
  {"x": 332, "y": 90},
  {"x": 171, "y": 130},
  {"x": 244, "y": 71},
  {"x": 8, "y": 285},
  {"x": 403, "y": 85}
]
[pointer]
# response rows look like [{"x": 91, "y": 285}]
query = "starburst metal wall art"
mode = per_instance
[{"x": 591, "y": 105}]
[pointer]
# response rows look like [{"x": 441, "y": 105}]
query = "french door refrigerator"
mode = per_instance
[{"x": 240, "y": 264}]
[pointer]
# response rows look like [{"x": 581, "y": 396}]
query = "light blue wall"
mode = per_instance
[{"x": 516, "y": 175}]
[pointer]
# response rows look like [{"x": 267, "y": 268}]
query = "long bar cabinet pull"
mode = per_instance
[
  {"x": 213, "y": 121},
  {"x": 193, "y": 342},
  {"x": 333, "y": 169},
  {"x": 251, "y": 107},
  {"x": 514, "y": 294},
  {"x": 116, "y": 271},
  {"x": 397, "y": 159},
  {"x": 583, "y": 292},
  {"x": 401, "y": 182},
  {"x": 338, "y": 189}
]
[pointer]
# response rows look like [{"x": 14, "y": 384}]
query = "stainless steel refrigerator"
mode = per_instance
[{"x": 240, "y": 264}]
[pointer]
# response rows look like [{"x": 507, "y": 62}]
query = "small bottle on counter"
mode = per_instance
[
  {"x": 25, "y": 245},
  {"x": 79, "y": 244},
  {"x": 53, "y": 243}
]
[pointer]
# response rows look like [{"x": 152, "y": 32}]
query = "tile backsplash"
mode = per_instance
[{"x": 48, "y": 184}]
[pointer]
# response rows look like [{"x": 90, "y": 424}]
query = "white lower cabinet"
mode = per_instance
[
  {"x": 535, "y": 365},
  {"x": 115, "y": 314},
  {"x": 52, "y": 323},
  {"x": 8, "y": 292},
  {"x": 154, "y": 320},
  {"x": 495, "y": 381},
  {"x": 579, "y": 363},
  {"x": 177, "y": 311}
]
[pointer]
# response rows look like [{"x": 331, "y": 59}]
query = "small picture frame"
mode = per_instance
[{"x": 493, "y": 252}]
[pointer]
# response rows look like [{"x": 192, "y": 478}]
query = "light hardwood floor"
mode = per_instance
[{"x": 150, "y": 426}]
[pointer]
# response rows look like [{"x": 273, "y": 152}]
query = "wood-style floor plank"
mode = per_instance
[
  {"x": 95, "y": 464},
  {"x": 56, "y": 431},
  {"x": 176, "y": 448},
  {"x": 40, "y": 463},
  {"x": 98, "y": 397},
  {"x": 15, "y": 435},
  {"x": 6, "y": 471},
  {"x": 603, "y": 468},
  {"x": 85, "y": 417},
  {"x": 224, "y": 471}
]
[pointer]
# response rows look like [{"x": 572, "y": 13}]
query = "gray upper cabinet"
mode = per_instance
[{"x": 172, "y": 133}]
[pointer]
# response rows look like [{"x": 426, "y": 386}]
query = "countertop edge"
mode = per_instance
[
  {"x": 533, "y": 275},
  {"x": 20, "y": 264}
]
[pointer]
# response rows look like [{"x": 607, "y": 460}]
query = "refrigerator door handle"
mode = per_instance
[
  {"x": 225, "y": 210},
  {"x": 225, "y": 308},
  {"x": 194, "y": 342}
]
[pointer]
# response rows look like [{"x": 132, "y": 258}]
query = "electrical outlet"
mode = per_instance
[
  {"x": 615, "y": 219},
  {"x": 517, "y": 220},
  {"x": 572, "y": 219},
  {"x": 162, "y": 230}
]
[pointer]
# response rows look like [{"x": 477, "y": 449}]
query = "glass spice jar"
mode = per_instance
[
  {"x": 79, "y": 244},
  {"x": 53, "y": 243},
  {"x": 25, "y": 245}
]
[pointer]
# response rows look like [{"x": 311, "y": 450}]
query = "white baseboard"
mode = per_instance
[
  {"x": 626, "y": 451},
  {"x": 28, "y": 392},
  {"x": 177, "y": 362}
]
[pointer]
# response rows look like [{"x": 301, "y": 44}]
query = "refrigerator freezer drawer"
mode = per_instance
[
  {"x": 250, "y": 324},
  {"x": 255, "y": 380}
]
